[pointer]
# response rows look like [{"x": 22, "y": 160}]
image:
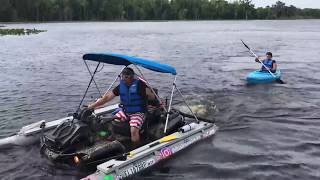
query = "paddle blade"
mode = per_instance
[
  {"x": 280, "y": 81},
  {"x": 245, "y": 44},
  {"x": 162, "y": 140},
  {"x": 168, "y": 138}
]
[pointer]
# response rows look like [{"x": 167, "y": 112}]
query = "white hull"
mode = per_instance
[
  {"x": 30, "y": 134},
  {"x": 116, "y": 170},
  {"x": 144, "y": 157}
]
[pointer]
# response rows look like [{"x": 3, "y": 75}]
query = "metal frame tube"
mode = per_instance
[
  {"x": 169, "y": 108},
  {"x": 158, "y": 98},
  {"x": 91, "y": 76},
  {"x": 118, "y": 76},
  {"x": 186, "y": 103}
]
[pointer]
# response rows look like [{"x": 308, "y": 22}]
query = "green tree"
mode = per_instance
[{"x": 66, "y": 10}]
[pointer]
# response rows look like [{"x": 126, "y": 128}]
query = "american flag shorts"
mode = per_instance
[{"x": 135, "y": 119}]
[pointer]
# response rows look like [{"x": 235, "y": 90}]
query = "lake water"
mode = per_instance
[{"x": 266, "y": 131}]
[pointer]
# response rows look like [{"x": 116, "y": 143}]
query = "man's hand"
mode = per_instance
[{"x": 101, "y": 101}]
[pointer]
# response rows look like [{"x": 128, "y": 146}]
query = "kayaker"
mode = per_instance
[
  {"x": 133, "y": 96},
  {"x": 269, "y": 63}
]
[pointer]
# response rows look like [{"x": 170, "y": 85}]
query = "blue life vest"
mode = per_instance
[
  {"x": 268, "y": 63},
  {"x": 130, "y": 98}
]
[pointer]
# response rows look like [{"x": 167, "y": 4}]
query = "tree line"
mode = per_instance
[{"x": 124, "y": 10}]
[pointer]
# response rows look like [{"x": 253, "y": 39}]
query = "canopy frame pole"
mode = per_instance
[
  {"x": 169, "y": 108},
  {"x": 158, "y": 98},
  {"x": 118, "y": 76},
  {"x": 92, "y": 76},
  {"x": 184, "y": 100}
]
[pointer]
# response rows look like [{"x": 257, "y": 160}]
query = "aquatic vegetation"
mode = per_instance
[{"x": 20, "y": 31}]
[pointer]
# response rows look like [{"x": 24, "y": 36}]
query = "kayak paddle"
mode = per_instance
[
  {"x": 277, "y": 80},
  {"x": 162, "y": 140}
]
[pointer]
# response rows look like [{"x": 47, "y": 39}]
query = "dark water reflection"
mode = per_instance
[{"x": 266, "y": 132}]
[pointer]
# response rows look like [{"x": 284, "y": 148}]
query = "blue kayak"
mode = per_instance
[{"x": 261, "y": 77}]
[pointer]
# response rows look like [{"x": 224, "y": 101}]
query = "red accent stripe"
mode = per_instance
[
  {"x": 135, "y": 126},
  {"x": 136, "y": 122},
  {"x": 137, "y": 115},
  {"x": 141, "y": 79},
  {"x": 136, "y": 118}
]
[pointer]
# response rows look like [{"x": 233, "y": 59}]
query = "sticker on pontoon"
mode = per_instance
[
  {"x": 185, "y": 143},
  {"x": 165, "y": 152},
  {"x": 136, "y": 167}
]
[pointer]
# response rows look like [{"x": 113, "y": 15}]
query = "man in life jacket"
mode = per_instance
[
  {"x": 133, "y": 96},
  {"x": 269, "y": 63}
]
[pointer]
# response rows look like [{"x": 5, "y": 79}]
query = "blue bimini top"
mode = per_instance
[{"x": 118, "y": 59}]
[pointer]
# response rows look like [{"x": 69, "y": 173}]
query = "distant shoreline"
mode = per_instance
[
  {"x": 2, "y": 24},
  {"x": 146, "y": 11}
]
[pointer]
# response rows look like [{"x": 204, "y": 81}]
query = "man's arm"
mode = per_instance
[
  {"x": 101, "y": 101},
  {"x": 274, "y": 67}
]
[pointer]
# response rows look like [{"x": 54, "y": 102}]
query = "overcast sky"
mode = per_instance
[{"x": 297, "y": 3}]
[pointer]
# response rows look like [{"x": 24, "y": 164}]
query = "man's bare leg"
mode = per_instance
[{"x": 135, "y": 137}]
